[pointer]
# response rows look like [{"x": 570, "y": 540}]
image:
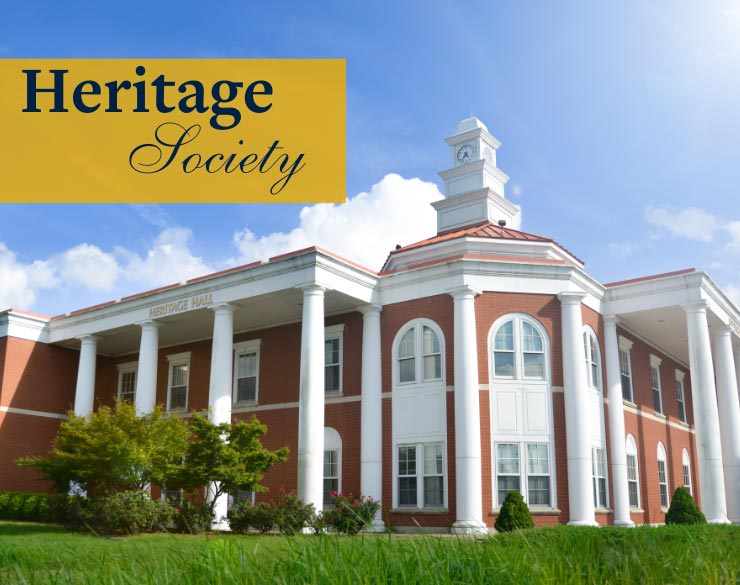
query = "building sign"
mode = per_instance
[{"x": 199, "y": 302}]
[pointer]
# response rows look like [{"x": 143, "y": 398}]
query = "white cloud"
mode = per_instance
[
  {"x": 623, "y": 249},
  {"x": 365, "y": 229},
  {"x": 691, "y": 223},
  {"x": 20, "y": 282},
  {"x": 86, "y": 266}
]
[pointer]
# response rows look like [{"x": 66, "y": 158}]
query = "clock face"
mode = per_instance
[{"x": 465, "y": 154}]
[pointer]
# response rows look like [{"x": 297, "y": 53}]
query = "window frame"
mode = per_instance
[
  {"x": 332, "y": 444},
  {"x": 523, "y": 475},
  {"x": 242, "y": 348},
  {"x": 592, "y": 355},
  {"x": 518, "y": 352},
  {"x": 417, "y": 325},
  {"x": 625, "y": 348},
  {"x": 662, "y": 458},
  {"x": 599, "y": 478},
  {"x": 420, "y": 475},
  {"x": 630, "y": 449},
  {"x": 655, "y": 362},
  {"x": 123, "y": 369},
  {"x": 330, "y": 333},
  {"x": 681, "y": 396},
  {"x": 686, "y": 467},
  {"x": 178, "y": 359}
]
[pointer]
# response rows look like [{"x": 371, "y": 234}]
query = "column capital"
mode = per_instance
[
  {"x": 312, "y": 288},
  {"x": 88, "y": 339},
  {"x": 695, "y": 306},
  {"x": 370, "y": 309},
  {"x": 611, "y": 320},
  {"x": 571, "y": 297},
  {"x": 721, "y": 330},
  {"x": 464, "y": 292},
  {"x": 222, "y": 308},
  {"x": 149, "y": 324}
]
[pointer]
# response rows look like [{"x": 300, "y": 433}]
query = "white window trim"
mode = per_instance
[
  {"x": 655, "y": 362},
  {"x": 524, "y": 471},
  {"x": 631, "y": 440},
  {"x": 419, "y": 445},
  {"x": 240, "y": 348},
  {"x": 418, "y": 326},
  {"x": 662, "y": 457},
  {"x": 173, "y": 360},
  {"x": 518, "y": 319},
  {"x": 337, "y": 332},
  {"x": 686, "y": 462},
  {"x": 593, "y": 359},
  {"x": 680, "y": 376},
  {"x": 333, "y": 442},
  {"x": 125, "y": 369},
  {"x": 625, "y": 345},
  {"x": 594, "y": 478}
]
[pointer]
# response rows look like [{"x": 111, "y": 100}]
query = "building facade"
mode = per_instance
[{"x": 480, "y": 360}]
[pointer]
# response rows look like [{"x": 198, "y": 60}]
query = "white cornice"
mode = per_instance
[{"x": 23, "y": 326}]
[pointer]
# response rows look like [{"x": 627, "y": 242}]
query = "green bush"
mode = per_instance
[
  {"x": 683, "y": 509},
  {"x": 514, "y": 514},
  {"x": 24, "y": 507},
  {"x": 291, "y": 514},
  {"x": 350, "y": 514},
  {"x": 191, "y": 518},
  {"x": 245, "y": 516}
]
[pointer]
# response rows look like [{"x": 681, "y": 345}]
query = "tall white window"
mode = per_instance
[
  {"x": 662, "y": 476},
  {"x": 593, "y": 359},
  {"x": 686, "y": 464},
  {"x": 332, "y": 464},
  {"x": 178, "y": 381},
  {"x": 246, "y": 371},
  {"x": 680, "y": 396},
  {"x": 333, "y": 349},
  {"x": 598, "y": 467},
  {"x": 421, "y": 484},
  {"x": 508, "y": 470},
  {"x": 518, "y": 351},
  {"x": 127, "y": 382},
  {"x": 625, "y": 368},
  {"x": 633, "y": 479},
  {"x": 419, "y": 417},
  {"x": 655, "y": 381}
]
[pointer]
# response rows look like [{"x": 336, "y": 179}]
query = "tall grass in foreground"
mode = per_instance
[{"x": 560, "y": 555}]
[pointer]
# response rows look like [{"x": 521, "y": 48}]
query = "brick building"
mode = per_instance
[{"x": 481, "y": 360}]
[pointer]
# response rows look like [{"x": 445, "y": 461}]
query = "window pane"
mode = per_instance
[
  {"x": 330, "y": 485},
  {"x": 331, "y": 351},
  {"x": 539, "y": 491},
  {"x": 534, "y": 365},
  {"x": 407, "y": 491},
  {"x": 626, "y": 388},
  {"x": 331, "y": 379},
  {"x": 504, "y": 363},
  {"x": 178, "y": 396},
  {"x": 506, "y": 483},
  {"x": 406, "y": 347},
  {"x": 180, "y": 375},
  {"x": 128, "y": 386},
  {"x": 407, "y": 461},
  {"x": 432, "y": 367},
  {"x": 538, "y": 459},
  {"x": 431, "y": 341},
  {"x": 407, "y": 370},
  {"x": 432, "y": 459},
  {"x": 508, "y": 458},
  {"x": 246, "y": 389},
  {"x": 505, "y": 337},
  {"x": 433, "y": 491},
  {"x": 531, "y": 340}
]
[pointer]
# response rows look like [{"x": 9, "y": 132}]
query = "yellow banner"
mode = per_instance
[{"x": 172, "y": 131}]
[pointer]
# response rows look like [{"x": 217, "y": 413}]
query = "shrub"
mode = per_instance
[
  {"x": 193, "y": 518},
  {"x": 291, "y": 514},
  {"x": 514, "y": 514},
  {"x": 15, "y": 506},
  {"x": 350, "y": 513},
  {"x": 683, "y": 509},
  {"x": 245, "y": 516}
]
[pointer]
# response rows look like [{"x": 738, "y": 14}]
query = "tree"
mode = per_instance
[
  {"x": 683, "y": 509},
  {"x": 113, "y": 450},
  {"x": 514, "y": 513},
  {"x": 228, "y": 457}
]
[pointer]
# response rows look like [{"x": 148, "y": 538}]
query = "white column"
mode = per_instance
[
  {"x": 706, "y": 416},
  {"x": 616, "y": 425},
  {"x": 371, "y": 418},
  {"x": 85, "y": 390},
  {"x": 146, "y": 377},
  {"x": 311, "y": 405},
  {"x": 729, "y": 418},
  {"x": 219, "y": 392},
  {"x": 467, "y": 418},
  {"x": 580, "y": 489}
]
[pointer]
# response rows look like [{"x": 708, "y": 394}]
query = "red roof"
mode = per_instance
[
  {"x": 651, "y": 277},
  {"x": 480, "y": 230}
]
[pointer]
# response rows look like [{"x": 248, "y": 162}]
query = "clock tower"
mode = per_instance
[{"x": 474, "y": 186}]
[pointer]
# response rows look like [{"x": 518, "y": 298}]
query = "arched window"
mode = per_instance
[
  {"x": 687, "y": 471},
  {"x": 419, "y": 354},
  {"x": 332, "y": 463},
  {"x": 518, "y": 350},
  {"x": 593, "y": 359},
  {"x": 633, "y": 479},
  {"x": 662, "y": 476}
]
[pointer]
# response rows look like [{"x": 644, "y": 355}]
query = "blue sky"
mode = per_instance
[{"x": 620, "y": 124}]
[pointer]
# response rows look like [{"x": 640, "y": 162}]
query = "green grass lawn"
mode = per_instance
[{"x": 32, "y": 553}]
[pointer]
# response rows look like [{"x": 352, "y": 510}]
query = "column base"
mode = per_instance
[
  {"x": 722, "y": 520},
  {"x": 624, "y": 523},
  {"x": 583, "y": 523},
  {"x": 469, "y": 527},
  {"x": 375, "y": 527},
  {"x": 220, "y": 526}
]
